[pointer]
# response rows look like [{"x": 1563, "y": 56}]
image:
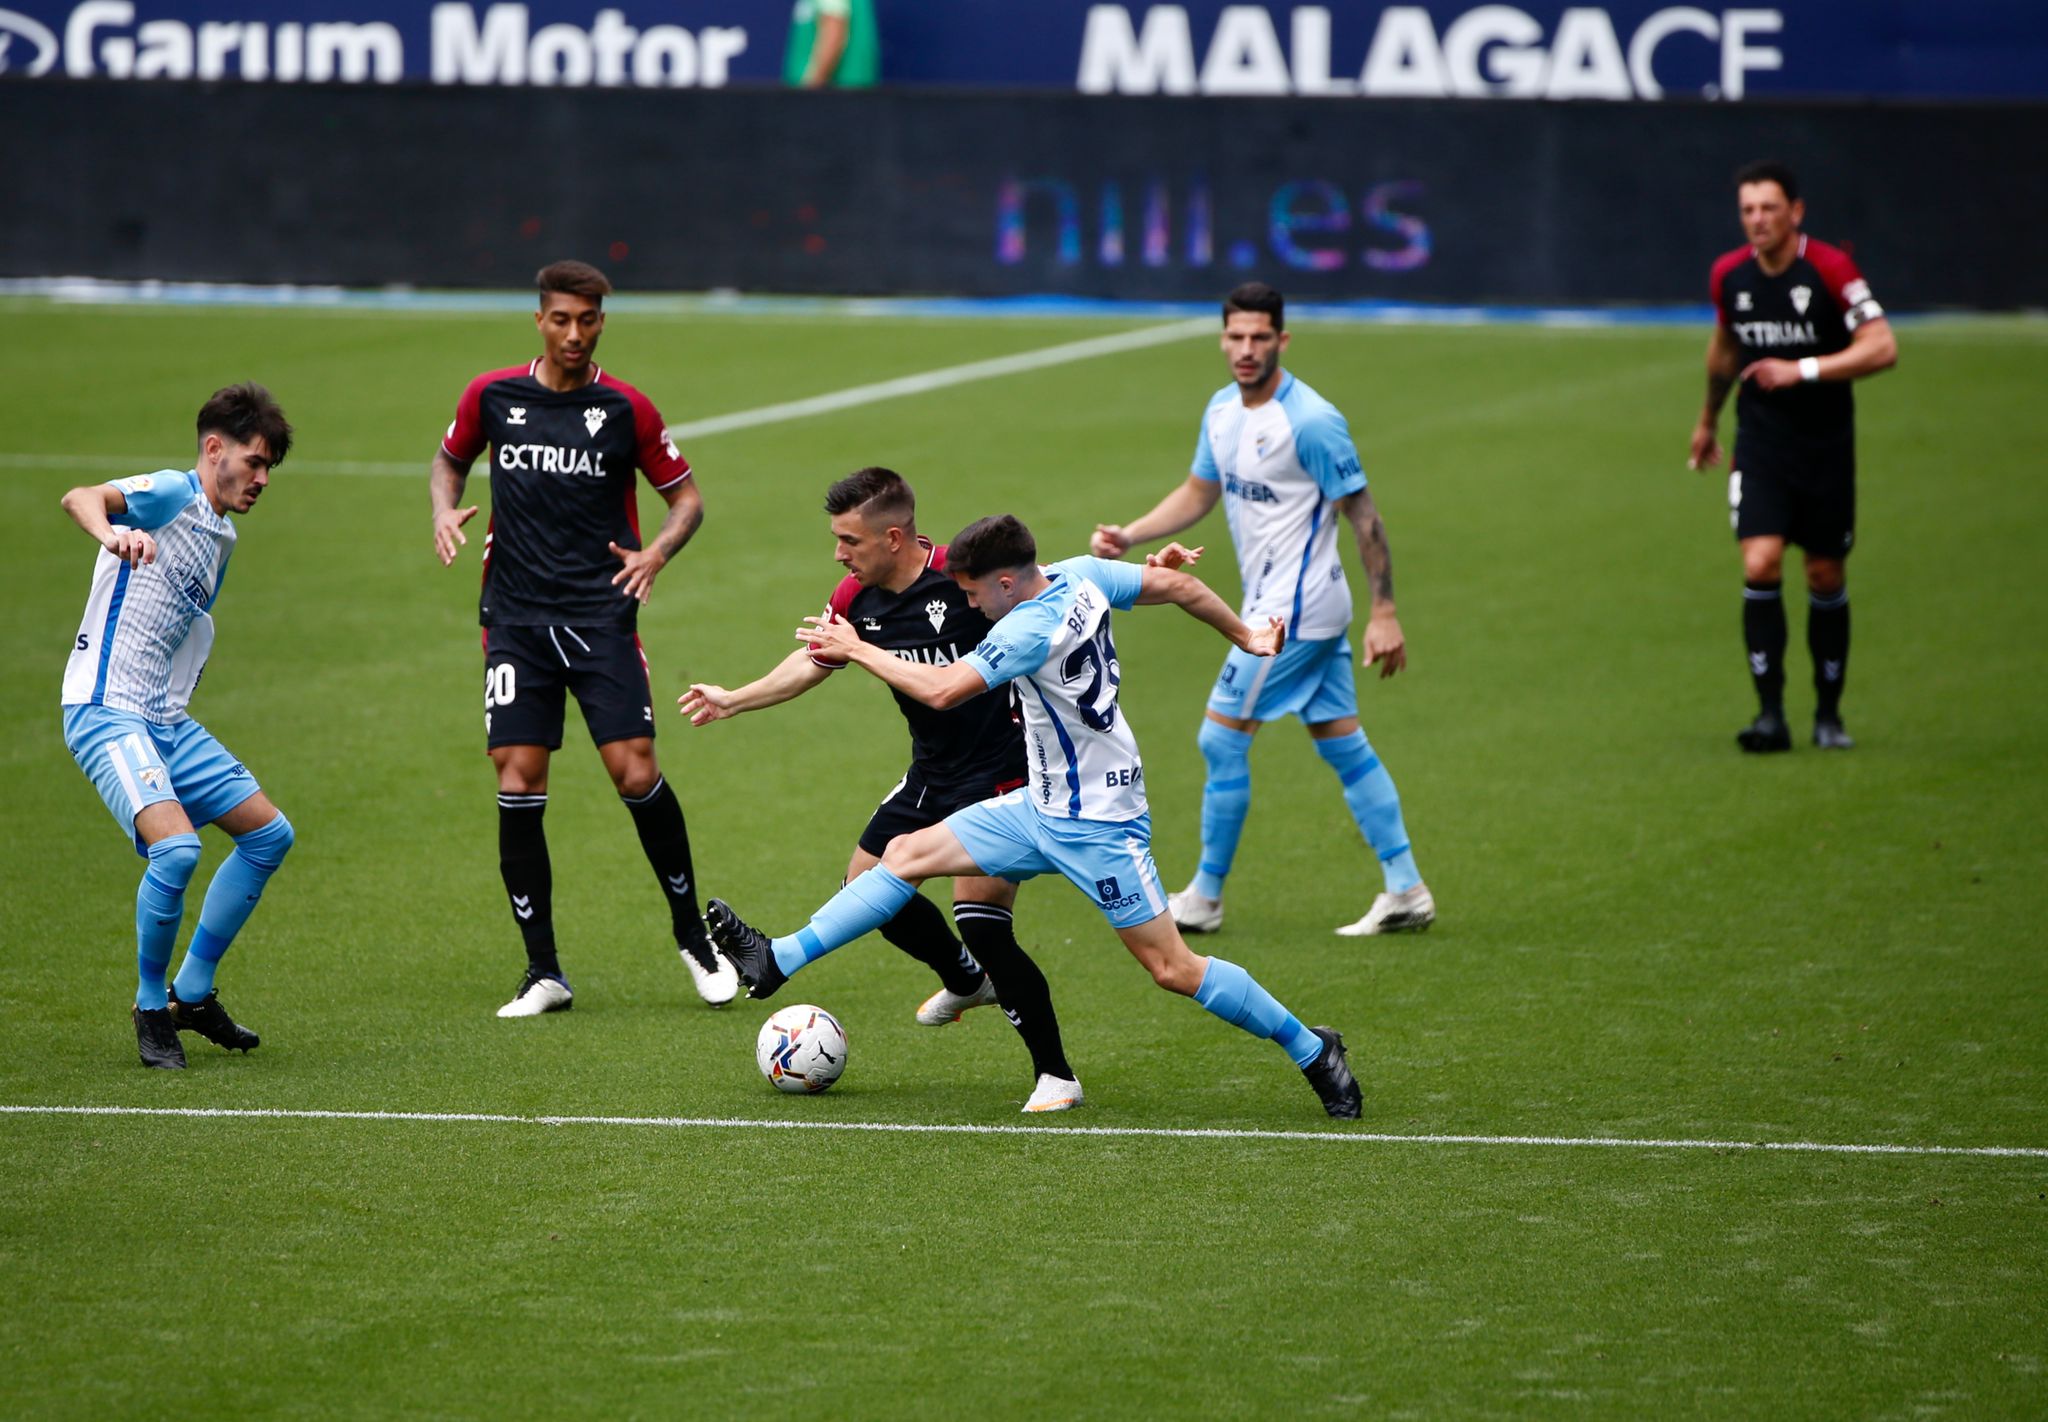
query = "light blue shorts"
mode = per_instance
[
  {"x": 1312, "y": 680},
  {"x": 135, "y": 763},
  {"x": 1108, "y": 860}
]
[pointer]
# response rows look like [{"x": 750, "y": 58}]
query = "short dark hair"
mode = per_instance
[
  {"x": 572, "y": 279},
  {"x": 884, "y": 493},
  {"x": 991, "y": 545},
  {"x": 1769, "y": 170},
  {"x": 1257, "y": 296},
  {"x": 244, "y": 412}
]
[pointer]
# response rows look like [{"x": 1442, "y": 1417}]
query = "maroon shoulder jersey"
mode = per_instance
[
  {"x": 977, "y": 743},
  {"x": 562, "y": 492},
  {"x": 1809, "y": 309}
]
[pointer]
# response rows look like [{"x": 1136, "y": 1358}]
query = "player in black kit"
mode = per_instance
[
  {"x": 564, "y": 575},
  {"x": 1796, "y": 323},
  {"x": 897, "y": 595}
]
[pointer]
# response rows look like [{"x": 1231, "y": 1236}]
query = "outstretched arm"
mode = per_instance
[
  {"x": 92, "y": 507},
  {"x": 1183, "y": 508},
  {"x": 790, "y": 678},
  {"x": 940, "y": 687},
  {"x": 1199, "y": 601},
  {"x": 1384, "y": 643},
  {"x": 444, "y": 486}
]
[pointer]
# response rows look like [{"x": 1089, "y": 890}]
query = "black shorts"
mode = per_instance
[
  {"x": 1809, "y": 499},
  {"x": 916, "y": 804},
  {"x": 527, "y": 670}
]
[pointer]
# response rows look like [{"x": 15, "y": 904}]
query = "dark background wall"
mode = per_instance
[{"x": 997, "y": 194}]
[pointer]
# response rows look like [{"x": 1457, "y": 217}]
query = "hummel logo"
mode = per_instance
[
  {"x": 936, "y": 611},
  {"x": 1016, "y": 1019},
  {"x": 1759, "y": 663},
  {"x": 593, "y": 420},
  {"x": 522, "y": 905},
  {"x": 679, "y": 884},
  {"x": 870, "y": 624},
  {"x": 1831, "y": 671},
  {"x": 1800, "y": 296},
  {"x": 516, "y": 415}
]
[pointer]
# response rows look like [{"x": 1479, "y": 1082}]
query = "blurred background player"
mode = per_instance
[
  {"x": 832, "y": 44},
  {"x": 1282, "y": 460},
  {"x": 165, "y": 540},
  {"x": 1081, "y": 813},
  {"x": 1795, "y": 323},
  {"x": 896, "y": 595},
  {"x": 563, "y": 579}
]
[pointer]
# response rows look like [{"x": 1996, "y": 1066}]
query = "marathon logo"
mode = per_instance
[
  {"x": 1250, "y": 490},
  {"x": 551, "y": 459},
  {"x": 1775, "y": 333}
]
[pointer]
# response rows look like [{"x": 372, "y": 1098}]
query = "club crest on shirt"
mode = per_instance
[
  {"x": 593, "y": 420},
  {"x": 1743, "y": 301},
  {"x": 936, "y": 611},
  {"x": 152, "y": 776},
  {"x": 1800, "y": 296},
  {"x": 516, "y": 415}
]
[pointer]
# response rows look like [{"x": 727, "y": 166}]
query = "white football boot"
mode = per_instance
[
  {"x": 1412, "y": 911},
  {"x": 717, "y": 985},
  {"x": 945, "y": 1007},
  {"x": 1195, "y": 913},
  {"x": 537, "y": 995},
  {"x": 1054, "y": 1094}
]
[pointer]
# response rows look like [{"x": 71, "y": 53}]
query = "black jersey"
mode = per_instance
[
  {"x": 1809, "y": 309},
  {"x": 979, "y": 742},
  {"x": 562, "y": 491}
]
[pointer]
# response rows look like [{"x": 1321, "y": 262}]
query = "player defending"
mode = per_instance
[
  {"x": 1796, "y": 323},
  {"x": 165, "y": 540},
  {"x": 1082, "y": 811},
  {"x": 896, "y": 595},
  {"x": 1281, "y": 458},
  {"x": 564, "y": 576}
]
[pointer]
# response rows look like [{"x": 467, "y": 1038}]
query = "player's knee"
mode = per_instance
[
  {"x": 267, "y": 845},
  {"x": 1826, "y": 579},
  {"x": 1763, "y": 565},
  {"x": 1179, "y": 973},
  {"x": 1221, "y": 744},
  {"x": 903, "y": 857},
  {"x": 175, "y": 860}
]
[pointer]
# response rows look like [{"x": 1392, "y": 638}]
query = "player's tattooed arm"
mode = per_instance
[
  {"x": 1183, "y": 508},
  {"x": 444, "y": 485},
  {"x": 1724, "y": 365},
  {"x": 1384, "y": 642},
  {"x": 685, "y": 515},
  {"x": 93, "y": 507}
]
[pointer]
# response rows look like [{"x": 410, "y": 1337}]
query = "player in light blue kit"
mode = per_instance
[
  {"x": 1082, "y": 811},
  {"x": 164, "y": 543},
  {"x": 1281, "y": 458}
]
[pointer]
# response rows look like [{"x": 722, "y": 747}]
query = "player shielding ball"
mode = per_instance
[
  {"x": 564, "y": 575},
  {"x": 1281, "y": 459},
  {"x": 1082, "y": 812},
  {"x": 165, "y": 540},
  {"x": 1795, "y": 324},
  {"x": 896, "y": 595}
]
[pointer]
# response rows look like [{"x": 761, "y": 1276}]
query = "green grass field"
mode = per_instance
[{"x": 1642, "y": 934}]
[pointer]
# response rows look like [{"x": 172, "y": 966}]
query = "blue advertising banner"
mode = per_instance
[{"x": 1536, "y": 49}]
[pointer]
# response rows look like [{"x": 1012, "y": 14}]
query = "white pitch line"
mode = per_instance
[
  {"x": 1338, "y": 1136},
  {"x": 847, "y": 399}
]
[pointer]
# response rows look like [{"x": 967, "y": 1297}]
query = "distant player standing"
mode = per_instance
[
  {"x": 897, "y": 595},
  {"x": 165, "y": 539},
  {"x": 1795, "y": 324},
  {"x": 1082, "y": 812},
  {"x": 564, "y": 577},
  {"x": 1281, "y": 458}
]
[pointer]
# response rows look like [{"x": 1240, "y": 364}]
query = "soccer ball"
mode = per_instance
[{"x": 801, "y": 1049}]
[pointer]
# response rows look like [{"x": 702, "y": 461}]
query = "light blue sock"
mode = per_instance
[
  {"x": 1235, "y": 996},
  {"x": 863, "y": 906},
  {"x": 230, "y": 899},
  {"x": 159, "y": 909},
  {"x": 1226, "y": 797},
  {"x": 1375, "y": 804}
]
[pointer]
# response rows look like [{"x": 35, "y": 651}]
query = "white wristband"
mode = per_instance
[{"x": 1809, "y": 368}]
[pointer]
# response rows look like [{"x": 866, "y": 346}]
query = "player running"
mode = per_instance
[
  {"x": 1082, "y": 811},
  {"x": 1280, "y": 456},
  {"x": 896, "y": 596},
  {"x": 563, "y": 579},
  {"x": 165, "y": 539},
  {"x": 1795, "y": 324}
]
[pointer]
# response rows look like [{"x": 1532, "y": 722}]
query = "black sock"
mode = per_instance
[
  {"x": 1827, "y": 637},
  {"x": 658, "y": 816},
  {"x": 920, "y": 930},
  {"x": 529, "y": 878},
  {"x": 1763, "y": 628},
  {"x": 991, "y": 936}
]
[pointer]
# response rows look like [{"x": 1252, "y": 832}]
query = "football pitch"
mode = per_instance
[{"x": 1653, "y": 957}]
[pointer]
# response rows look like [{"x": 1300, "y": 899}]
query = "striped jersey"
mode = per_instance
[
  {"x": 147, "y": 631},
  {"x": 1081, "y": 760},
  {"x": 1283, "y": 467}
]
